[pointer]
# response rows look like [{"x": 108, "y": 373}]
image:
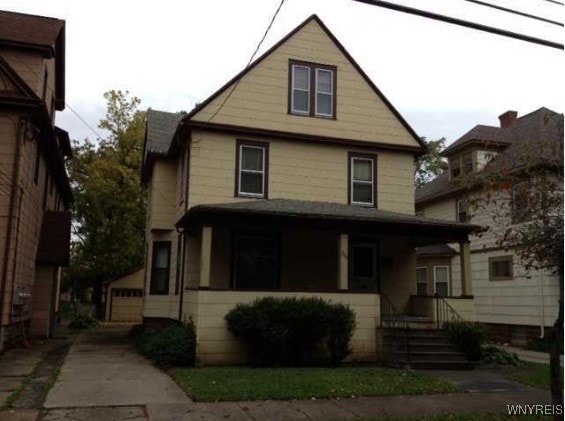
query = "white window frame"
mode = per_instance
[
  {"x": 294, "y": 111},
  {"x": 425, "y": 268},
  {"x": 448, "y": 278},
  {"x": 331, "y": 94},
  {"x": 240, "y": 192},
  {"x": 353, "y": 181}
]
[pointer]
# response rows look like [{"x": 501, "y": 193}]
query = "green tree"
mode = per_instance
[
  {"x": 110, "y": 201},
  {"x": 522, "y": 191},
  {"x": 431, "y": 164}
]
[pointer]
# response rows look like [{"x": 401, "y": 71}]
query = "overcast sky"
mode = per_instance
[{"x": 442, "y": 78}]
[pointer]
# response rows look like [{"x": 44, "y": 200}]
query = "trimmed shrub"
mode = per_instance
[
  {"x": 494, "y": 355},
  {"x": 293, "y": 331},
  {"x": 468, "y": 337},
  {"x": 542, "y": 344},
  {"x": 83, "y": 322},
  {"x": 174, "y": 346}
]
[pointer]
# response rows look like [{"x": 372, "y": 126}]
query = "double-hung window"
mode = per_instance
[
  {"x": 252, "y": 169},
  {"x": 462, "y": 214},
  {"x": 362, "y": 180},
  {"x": 312, "y": 89},
  {"x": 422, "y": 280},
  {"x": 160, "y": 268}
]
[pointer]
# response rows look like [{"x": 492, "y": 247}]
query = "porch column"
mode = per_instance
[
  {"x": 343, "y": 262},
  {"x": 205, "y": 256},
  {"x": 465, "y": 256}
]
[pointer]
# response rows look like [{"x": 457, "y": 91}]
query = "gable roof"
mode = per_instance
[
  {"x": 19, "y": 93},
  {"x": 348, "y": 56},
  {"x": 45, "y": 34},
  {"x": 535, "y": 137},
  {"x": 484, "y": 135}
]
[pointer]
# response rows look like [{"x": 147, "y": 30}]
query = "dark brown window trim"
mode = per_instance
[
  {"x": 256, "y": 144},
  {"x": 156, "y": 244},
  {"x": 312, "y": 108},
  {"x": 350, "y": 157},
  {"x": 507, "y": 258}
]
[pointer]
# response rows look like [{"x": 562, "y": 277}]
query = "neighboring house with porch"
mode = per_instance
[
  {"x": 34, "y": 189},
  {"x": 514, "y": 304},
  {"x": 293, "y": 179}
]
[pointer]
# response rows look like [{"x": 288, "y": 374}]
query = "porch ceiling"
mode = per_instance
[{"x": 325, "y": 215}]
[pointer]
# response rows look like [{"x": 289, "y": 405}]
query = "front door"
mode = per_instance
[{"x": 363, "y": 269}]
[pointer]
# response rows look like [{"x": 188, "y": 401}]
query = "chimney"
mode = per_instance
[{"x": 507, "y": 118}]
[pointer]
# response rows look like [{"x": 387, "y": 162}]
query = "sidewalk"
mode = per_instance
[{"x": 527, "y": 355}]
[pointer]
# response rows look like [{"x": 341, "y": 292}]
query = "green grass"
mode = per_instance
[
  {"x": 244, "y": 383},
  {"x": 532, "y": 374}
]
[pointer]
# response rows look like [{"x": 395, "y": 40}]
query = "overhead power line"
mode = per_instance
[
  {"x": 250, "y": 59},
  {"x": 460, "y": 22},
  {"x": 514, "y": 11},
  {"x": 555, "y": 2}
]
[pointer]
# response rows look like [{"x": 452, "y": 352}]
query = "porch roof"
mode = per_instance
[{"x": 326, "y": 214}]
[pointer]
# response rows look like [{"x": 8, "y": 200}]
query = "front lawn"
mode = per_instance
[
  {"x": 244, "y": 383},
  {"x": 532, "y": 374}
]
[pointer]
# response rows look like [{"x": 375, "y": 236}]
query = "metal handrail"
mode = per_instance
[
  {"x": 446, "y": 313},
  {"x": 392, "y": 319}
]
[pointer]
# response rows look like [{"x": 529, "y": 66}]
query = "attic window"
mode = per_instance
[
  {"x": 455, "y": 167},
  {"x": 312, "y": 89}
]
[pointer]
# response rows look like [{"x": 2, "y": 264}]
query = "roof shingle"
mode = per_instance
[
  {"x": 30, "y": 29},
  {"x": 161, "y": 127}
]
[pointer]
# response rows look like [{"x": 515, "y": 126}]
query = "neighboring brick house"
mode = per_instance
[
  {"x": 34, "y": 189},
  {"x": 293, "y": 179},
  {"x": 516, "y": 305}
]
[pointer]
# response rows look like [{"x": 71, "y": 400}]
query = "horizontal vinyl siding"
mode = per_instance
[
  {"x": 297, "y": 170},
  {"x": 163, "y": 190},
  {"x": 261, "y": 97}
]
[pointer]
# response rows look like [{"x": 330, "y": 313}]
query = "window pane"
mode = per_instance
[
  {"x": 324, "y": 104},
  {"x": 501, "y": 268},
  {"x": 422, "y": 289},
  {"x": 159, "y": 281},
  {"x": 441, "y": 289},
  {"x": 441, "y": 274},
  {"x": 362, "y": 170},
  {"x": 251, "y": 183},
  {"x": 422, "y": 275},
  {"x": 301, "y": 79},
  {"x": 363, "y": 261},
  {"x": 161, "y": 257},
  {"x": 256, "y": 263},
  {"x": 251, "y": 158},
  {"x": 362, "y": 193},
  {"x": 300, "y": 101},
  {"x": 324, "y": 81}
]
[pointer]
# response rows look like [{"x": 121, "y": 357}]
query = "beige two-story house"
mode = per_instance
[
  {"x": 515, "y": 304},
  {"x": 294, "y": 179},
  {"x": 35, "y": 193}
]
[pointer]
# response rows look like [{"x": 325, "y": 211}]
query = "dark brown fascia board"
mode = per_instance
[
  {"x": 314, "y": 17},
  {"x": 275, "y": 134},
  {"x": 64, "y": 142},
  {"x": 44, "y": 50},
  {"x": 474, "y": 142},
  {"x": 60, "y": 70}
]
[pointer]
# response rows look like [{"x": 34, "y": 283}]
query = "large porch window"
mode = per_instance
[
  {"x": 256, "y": 262},
  {"x": 441, "y": 280},
  {"x": 422, "y": 280}
]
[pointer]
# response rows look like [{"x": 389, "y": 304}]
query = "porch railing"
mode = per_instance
[
  {"x": 445, "y": 313},
  {"x": 393, "y": 319}
]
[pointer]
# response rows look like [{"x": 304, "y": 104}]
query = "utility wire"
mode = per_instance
[
  {"x": 460, "y": 22},
  {"x": 250, "y": 61},
  {"x": 555, "y": 2},
  {"x": 514, "y": 11},
  {"x": 83, "y": 121}
]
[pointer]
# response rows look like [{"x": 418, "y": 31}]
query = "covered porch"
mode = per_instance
[{"x": 353, "y": 255}]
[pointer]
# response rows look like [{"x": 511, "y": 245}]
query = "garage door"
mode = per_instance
[{"x": 126, "y": 305}]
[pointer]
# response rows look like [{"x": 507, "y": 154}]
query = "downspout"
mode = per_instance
[
  {"x": 542, "y": 308},
  {"x": 9, "y": 228},
  {"x": 184, "y": 238}
]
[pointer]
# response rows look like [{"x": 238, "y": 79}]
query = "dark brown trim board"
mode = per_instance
[
  {"x": 300, "y": 137},
  {"x": 374, "y": 158},
  {"x": 254, "y": 143}
]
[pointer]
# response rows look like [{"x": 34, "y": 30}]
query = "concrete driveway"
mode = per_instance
[{"x": 102, "y": 369}]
